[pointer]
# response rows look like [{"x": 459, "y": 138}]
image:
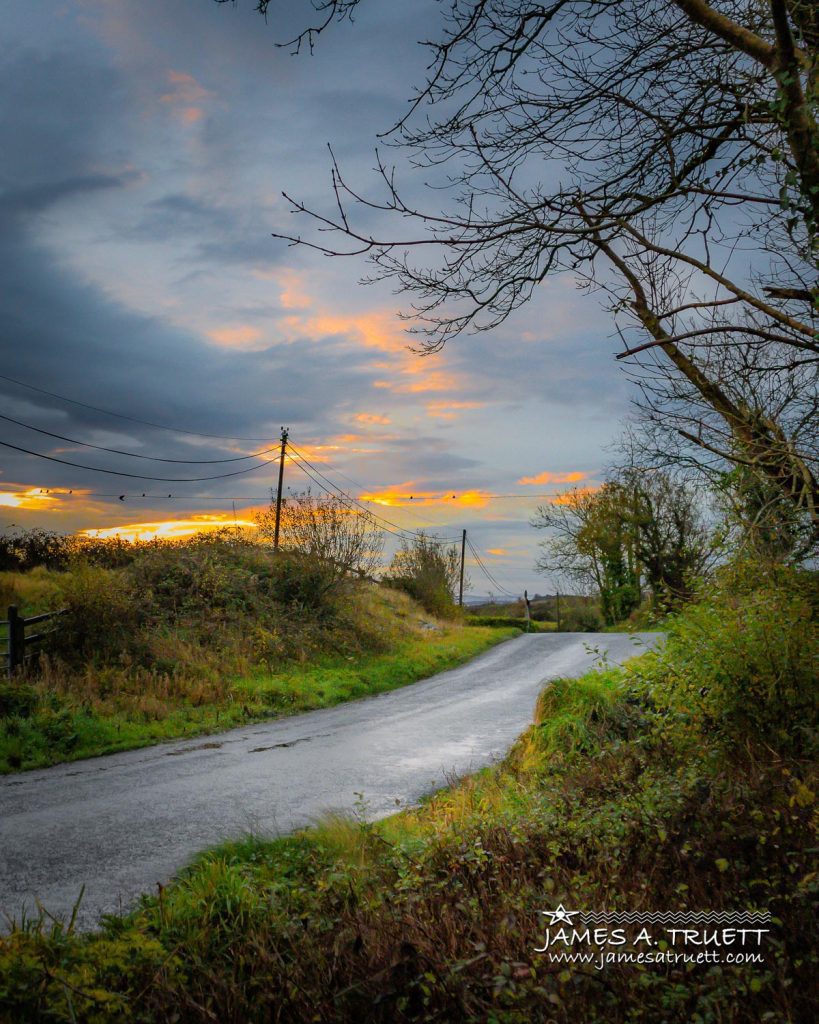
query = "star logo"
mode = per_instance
[{"x": 560, "y": 915}]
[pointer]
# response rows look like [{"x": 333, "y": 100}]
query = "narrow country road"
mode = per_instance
[{"x": 119, "y": 824}]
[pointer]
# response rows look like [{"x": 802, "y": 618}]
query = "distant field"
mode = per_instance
[{"x": 496, "y": 621}]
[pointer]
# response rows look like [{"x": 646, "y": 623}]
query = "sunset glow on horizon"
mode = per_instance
[
  {"x": 406, "y": 498},
  {"x": 35, "y": 497},
  {"x": 170, "y": 529}
]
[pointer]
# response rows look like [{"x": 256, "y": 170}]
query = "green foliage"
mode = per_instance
[
  {"x": 429, "y": 572},
  {"x": 202, "y": 635},
  {"x": 742, "y": 662},
  {"x": 614, "y": 799},
  {"x": 581, "y": 618},
  {"x": 105, "y": 611},
  {"x": 17, "y": 699},
  {"x": 62, "y": 716},
  {"x": 762, "y": 522},
  {"x": 636, "y": 530}
]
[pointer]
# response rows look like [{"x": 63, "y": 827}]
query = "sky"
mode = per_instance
[{"x": 146, "y": 148}]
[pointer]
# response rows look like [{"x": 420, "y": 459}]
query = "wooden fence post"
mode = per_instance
[{"x": 16, "y": 640}]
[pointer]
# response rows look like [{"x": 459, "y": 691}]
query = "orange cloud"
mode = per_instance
[
  {"x": 345, "y": 439},
  {"x": 554, "y": 478},
  {"x": 367, "y": 417},
  {"x": 380, "y": 331},
  {"x": 449, "y": 410},
  {"x": 238, "y": 336},
  {"x": 170, "y": 529},
  {"x": 185, "y": 97},
  {"x": 34, "y": 497},
  {"x": 496, "y": 551},
  {"x": 294, "y": 294}
]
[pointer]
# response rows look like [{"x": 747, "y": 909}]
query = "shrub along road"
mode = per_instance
[{"x": 120, "y": 824}]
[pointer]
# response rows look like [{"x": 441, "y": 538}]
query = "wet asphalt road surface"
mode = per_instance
[{"x": 120, "y": 824}]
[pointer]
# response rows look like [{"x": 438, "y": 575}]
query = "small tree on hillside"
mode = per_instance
[
  {"x": 327, "y": 530},
  {"x": 427, "y": 570}
]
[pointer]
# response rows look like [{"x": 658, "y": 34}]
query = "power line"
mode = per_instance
[
  {"x": 135, "y": 455},
  {"x": 336, "y": 489},
  {"x": 131, "y": 419},
  {"x": 350, "y": 502},
  {"x": 134, "y": 476},
  {"x": 486, "y": 572},
  {"x": 361, "y": 487}
]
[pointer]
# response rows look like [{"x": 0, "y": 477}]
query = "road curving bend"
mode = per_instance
[{"x": 118, "y": 825}]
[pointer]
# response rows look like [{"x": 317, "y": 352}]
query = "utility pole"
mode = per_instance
[
  {"x": 463, "y": 557},
  {"x": 558, "y": 611},
  {"x": 279, "y": 491}
]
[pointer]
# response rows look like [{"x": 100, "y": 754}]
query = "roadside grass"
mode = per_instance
[
  {"x": 48, "y": 726},
  {"x": 660, "y": 786}
]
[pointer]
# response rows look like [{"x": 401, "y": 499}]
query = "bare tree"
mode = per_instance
[
  {"x": 328, "y": 530},
  {"x": 665, "y": 153}
]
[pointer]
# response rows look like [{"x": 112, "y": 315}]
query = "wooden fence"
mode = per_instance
[{"x": 22, "y": 647}]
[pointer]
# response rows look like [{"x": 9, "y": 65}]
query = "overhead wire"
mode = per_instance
[
  {"x": 337, "y": 490},
  {"x": 486, "y": 571},
  {"x": 312, "y": 472},
  {"x": 361, "y": 487},
  {"x": 135, "y": 455},
  {"x": 353, "y": 504},
  {"x": 137, "y": 476}
]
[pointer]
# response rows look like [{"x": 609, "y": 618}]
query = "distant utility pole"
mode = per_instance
[
  {"x": 463, "y": 556},
  {"x": 279, "y": 491}
]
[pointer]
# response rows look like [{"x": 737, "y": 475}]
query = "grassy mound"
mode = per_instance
[
  {"x": 196, "y": 637},
  {"x": 649, "y": 788}
]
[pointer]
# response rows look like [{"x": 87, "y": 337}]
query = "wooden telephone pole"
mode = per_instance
[
  {"x": 279, "y": 490},
  {"x": 463, "y": 556}
]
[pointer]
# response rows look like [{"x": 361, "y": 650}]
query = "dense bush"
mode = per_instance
[
  {"x": 532, "y": 625},
  {"x": 742, "y": 662},
  {"x": 581, "y": 619},
  {"x": 36, "y": 548},
  {"x": 104, "y": 613},
  {"x": 214, "y": 599},
  {"x": 429, "y": 571}
]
